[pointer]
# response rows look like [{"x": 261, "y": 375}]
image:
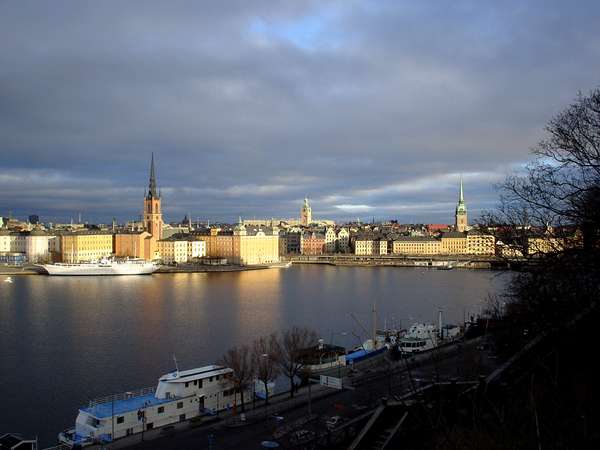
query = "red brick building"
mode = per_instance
[{"x": 313, "y": 244}]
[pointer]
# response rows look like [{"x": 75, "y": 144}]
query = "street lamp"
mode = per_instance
[{"x": 266, "y": 358}]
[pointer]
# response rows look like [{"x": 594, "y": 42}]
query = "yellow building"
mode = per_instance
[
  {"x": 364, "y": 246},
  {"x": 454, "y": 243},
  {"x": 369, "y": 245},
  {"x": 85, "y": 246},
  {"x": 416, "y": 245},
  {"x": 544, "y": 244},
  {"x": 480, "y": 244},
  {"x": 243, "y": 247}
]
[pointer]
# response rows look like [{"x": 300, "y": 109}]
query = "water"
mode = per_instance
[{"x": 65, "y": 340}]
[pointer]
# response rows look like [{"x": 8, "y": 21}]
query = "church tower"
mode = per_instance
[
  {"x": 305, "y": 214},
  {"x": 460, "y": 222},
  {"x": 153, "y": 222}
]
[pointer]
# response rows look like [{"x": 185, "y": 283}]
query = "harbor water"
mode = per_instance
[{"x": 64, "y": 340}]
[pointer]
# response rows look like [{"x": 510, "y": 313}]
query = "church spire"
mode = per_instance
[
  {"x": 152, "y": 192},
  {"x": 461, "y": 198}
]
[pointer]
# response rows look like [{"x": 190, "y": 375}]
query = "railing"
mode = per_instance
[{"x": 122, "y": 396}]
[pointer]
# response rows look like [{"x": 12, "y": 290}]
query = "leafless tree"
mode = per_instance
[
  {"x": 264, "y": 356},
  {"x": 556, "y": 198},
  {"x": 289, "y": 345},
  {"x": 560, "y": 189},
  {"x": 240, "y": 360}
]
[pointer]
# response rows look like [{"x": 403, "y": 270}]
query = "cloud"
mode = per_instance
[
  {"x": 354, "y": 208},
  {"x": 251, "y": 106}
]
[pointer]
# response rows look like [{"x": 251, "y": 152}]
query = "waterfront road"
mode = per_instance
[{"x": 365, "y": 387}]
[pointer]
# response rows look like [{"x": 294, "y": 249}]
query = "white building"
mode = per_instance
[
  {"x": 37, "y": 247},
  {"x": 343, "y": 240},
  {"x": 330, "y": 240},
  {"x": 180, "y": 250}
]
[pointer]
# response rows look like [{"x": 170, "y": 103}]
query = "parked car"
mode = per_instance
[
  {"x": 333, "y": 422},
  {"x": 301, "y": 436}
]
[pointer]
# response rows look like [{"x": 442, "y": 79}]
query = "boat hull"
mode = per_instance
[{"x": 98, "y": 270}]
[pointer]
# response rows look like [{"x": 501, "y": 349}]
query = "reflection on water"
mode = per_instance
[{"x": 64, "y": 340}]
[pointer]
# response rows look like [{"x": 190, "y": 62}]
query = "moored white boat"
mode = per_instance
[
  {"x": 179, "y": 396},
  {"x": 103, "y": 267}
]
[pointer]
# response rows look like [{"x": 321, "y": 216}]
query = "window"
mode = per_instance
[
  {"x": 179, "y": 405},
  {"x": 160, "y": 410},
  {"x": 187, "y": 384},
  {"x": 181, "y": 417},
  {"x": 129, "y": 431},
  {"x": 120, "y": 419},
  {"x": 149, "y": 426},
  {"x": 210, "y": 380}
]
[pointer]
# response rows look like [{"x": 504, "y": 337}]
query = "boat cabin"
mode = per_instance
[{"x": 179, "y": 396}]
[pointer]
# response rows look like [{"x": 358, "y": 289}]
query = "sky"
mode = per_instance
[{"x": 371, "y": 109}]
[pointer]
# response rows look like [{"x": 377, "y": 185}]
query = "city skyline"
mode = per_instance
[{"x": 368, "y": 109}]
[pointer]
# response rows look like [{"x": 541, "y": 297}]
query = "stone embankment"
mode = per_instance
[{"x": 436, "y": 262}]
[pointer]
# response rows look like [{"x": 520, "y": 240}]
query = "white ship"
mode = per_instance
[
  {"x": 179, "y": 396},
  {"x": 102, "y": 267}
]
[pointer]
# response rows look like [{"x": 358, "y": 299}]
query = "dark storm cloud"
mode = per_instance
[{"x": 370, "y": 108}]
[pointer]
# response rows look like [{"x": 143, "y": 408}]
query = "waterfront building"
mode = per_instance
[
  {"x": 460, "y": 218},
  {"x": 293, "y": 241},
  {"x": 243, "y": 246},
  {"x": 330, "y": 240},
  {"x": 85, "y": 246},
  {"x": 454, "y": 243},
  {"x": 180, "y": 249},
  {"x": 134, "y": 244},
  {"x": 313, "y": 244},
  {"x": 343, "y": 240},
  {"x": 37, "y": 248},
  {"x": 544, "y": 244},
  {"x": 416, "y": 245},
  {"x": 306, "y": 214},
  {"x": 153, "y": 220},
  {"x": 479, "y": 243},
  {"x": 5, "y": 241},
  {"x": 364, "y": 244}
]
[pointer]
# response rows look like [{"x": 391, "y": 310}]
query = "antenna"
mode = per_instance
[{"x": 176, "y": 365}]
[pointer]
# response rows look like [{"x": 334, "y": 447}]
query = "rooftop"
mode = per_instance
[{"x": 110, "y": 408}]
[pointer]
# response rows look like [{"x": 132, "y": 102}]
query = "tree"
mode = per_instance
[
  {"x": 288, "y": 356},
  {"x": 264, "y": 356},
  {"x": 240, "y": 360},
  {"x": 557, "y": 201}
]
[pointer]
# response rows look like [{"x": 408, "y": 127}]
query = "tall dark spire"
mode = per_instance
[{"x": 152, "y": 191}]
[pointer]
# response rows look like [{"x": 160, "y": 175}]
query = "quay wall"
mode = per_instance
[{"x": 441, "y": 262}]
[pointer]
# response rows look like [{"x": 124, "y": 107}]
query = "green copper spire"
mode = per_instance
[{"x": 461, "y": 207}]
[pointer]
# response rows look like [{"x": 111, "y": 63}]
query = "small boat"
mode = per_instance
[{"x": 8, "y": 280}]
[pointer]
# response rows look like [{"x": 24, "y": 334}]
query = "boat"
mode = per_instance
[
  {"x": 8, "y": 280},
  {"x": 179, "y": 396},
  {"x": 130, "y": 266},
  {"x": 422, "y": 337},
  {"x": 280, "y": 265}
]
